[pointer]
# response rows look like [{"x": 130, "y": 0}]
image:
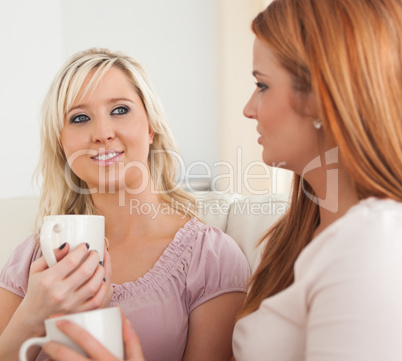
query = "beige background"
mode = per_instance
[{"x": 238, "y": 134}]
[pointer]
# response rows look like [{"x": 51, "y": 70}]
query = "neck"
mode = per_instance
[
  {"x": 128, "y": 216},
  {"x": 334, "y": 198}
]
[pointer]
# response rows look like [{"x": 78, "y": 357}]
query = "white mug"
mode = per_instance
[
  {"x": 103, "y": 324},
  {"x": 73, "y": 229}
]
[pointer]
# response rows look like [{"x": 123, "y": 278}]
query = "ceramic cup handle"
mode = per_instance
[
  {"x": 36, "y": 341},
  {"x": 46, "y": 241}
]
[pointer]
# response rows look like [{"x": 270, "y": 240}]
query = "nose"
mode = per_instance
[
  {"x": 103, "y": 131},
  {"x": 249, "y": 110}
]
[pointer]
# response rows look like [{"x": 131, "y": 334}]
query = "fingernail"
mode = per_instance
[
  {"x": 104, "y": 279},
  {"x": 62, "y": 246},
  {"x": 101, "y": 263},
  {"x": 61, "y": 322},
  {"x": 87, "y": 244}
]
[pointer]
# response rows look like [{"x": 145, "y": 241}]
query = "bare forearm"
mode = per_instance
[{"x": 21, "y": 327}]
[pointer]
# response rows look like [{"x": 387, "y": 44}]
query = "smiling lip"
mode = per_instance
[
  {"x": 260, "y": 138},
  {"x": 107, "y": 158}
]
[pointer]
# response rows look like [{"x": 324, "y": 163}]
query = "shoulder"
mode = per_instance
[
  {"x": 372, "y": 218},
  {"x": 349, "y": 278},
  {"x": 26, "y": 252},
  {"x": 209, "y": 240},
  {"x": 371, "y": 225},
  {"x": 364, "y": 246},
  {"x": 15, "y": 273},
  {"x": 216, "y": 264}
]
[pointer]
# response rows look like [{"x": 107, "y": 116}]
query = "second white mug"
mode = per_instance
[{"x": 103, "y": 324}]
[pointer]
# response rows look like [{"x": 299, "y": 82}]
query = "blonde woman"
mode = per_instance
[
  {"x": 328, "y": 103},
  {"x": 107, "y": 149}
]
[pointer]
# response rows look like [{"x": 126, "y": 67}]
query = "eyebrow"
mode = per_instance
[
  {"x": 111, "y": 100},
  {"x": 256, "y": 72}
]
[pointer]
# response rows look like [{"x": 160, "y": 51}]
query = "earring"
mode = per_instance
[{"x": 317, "y": 124}]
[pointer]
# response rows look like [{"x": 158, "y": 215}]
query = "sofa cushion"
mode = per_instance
[{"x": 250, "y": 218}]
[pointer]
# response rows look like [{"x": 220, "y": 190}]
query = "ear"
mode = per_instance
[
  {"x": 310, "y": 105},
  {"x": 151, "y": 136},
  {"x": 305, "y": 104}
]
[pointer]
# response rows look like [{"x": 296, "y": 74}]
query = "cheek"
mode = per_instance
[
  {"x": 74, "y": 152},
  {"x": 67, "y": 143},
  {"x": 72, "y": 143},
  {"x": 137, "y": 141},
  {"x": 272, "y": 118}
]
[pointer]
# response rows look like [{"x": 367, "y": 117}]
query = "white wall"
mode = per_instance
[
  {"x": 30, "y": 35},
  {"x": 175, "y": 40}
]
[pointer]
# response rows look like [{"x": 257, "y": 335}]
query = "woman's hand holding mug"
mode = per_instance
[
  {"x": 95, "y": 349},
  {"x": 74, "y": 284},
  {"x": 77, "y": 282},
  {"x": 81, "y": 335},
  {"x": 73, "y": 229}
]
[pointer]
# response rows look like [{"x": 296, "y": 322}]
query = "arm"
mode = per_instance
[
  {"x": 211, "y": 327},
  {"x": 217, "y": 264},
  {"x": 50, "y": 291},
  {"x": 9, "y": 304}
]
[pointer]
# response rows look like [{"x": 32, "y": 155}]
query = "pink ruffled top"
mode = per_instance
[{"x": 199, "y": 264}]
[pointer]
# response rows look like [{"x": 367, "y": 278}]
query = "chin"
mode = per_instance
[
  {"x": 274, "y": 162},
  {"x": 268, "y": 160}
]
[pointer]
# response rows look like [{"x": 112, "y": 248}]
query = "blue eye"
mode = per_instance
[
  {"x": 261, "y": 86},
  {"x": 120, "y": 111},
  {"x": 80, "y": 118}
]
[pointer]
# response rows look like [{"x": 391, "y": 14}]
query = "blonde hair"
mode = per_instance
[
  {"x": 348, "y": 53},
  {"x": 59, "y": 197}
]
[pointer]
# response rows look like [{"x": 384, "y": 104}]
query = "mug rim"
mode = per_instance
[{"x": 79, "y": 314}]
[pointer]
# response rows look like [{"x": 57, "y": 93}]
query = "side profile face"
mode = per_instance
[
  {"x": 106, "y": 134},
  {"x": 284, "y": 116}
]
